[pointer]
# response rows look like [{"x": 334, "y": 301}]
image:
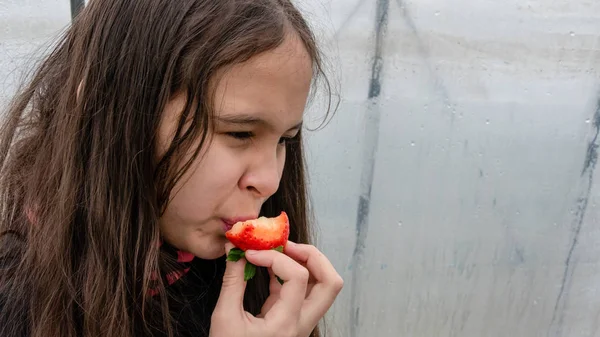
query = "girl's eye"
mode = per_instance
[{"x": 244, "y": 135}]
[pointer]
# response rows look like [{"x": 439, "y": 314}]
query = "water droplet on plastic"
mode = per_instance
[
  {"x": 487, "y": 121},
  {"x": 422, "y": 127},
  {"x": 587, "y": 121},
  {"x": 399, "y": 223},
  {"x": 437, "y": 13},
  {"x": 572, "y": 33},
  {"x": 412, "y": 143}
]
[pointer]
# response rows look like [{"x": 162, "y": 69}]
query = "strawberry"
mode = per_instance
[{"x": 258, "y": 234}]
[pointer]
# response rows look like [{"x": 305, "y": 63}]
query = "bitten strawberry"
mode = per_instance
[{"x": 258, "y": 234}]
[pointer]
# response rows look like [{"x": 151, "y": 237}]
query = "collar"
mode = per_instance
[{"x": 183, "y": 266}]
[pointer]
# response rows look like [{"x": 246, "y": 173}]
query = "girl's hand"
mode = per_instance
[{"x": 292, "y": 309}]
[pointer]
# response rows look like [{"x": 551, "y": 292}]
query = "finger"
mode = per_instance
[
  {"x": 295, "y": 277},
  {"x": 233, "y": 287},
  {"x": 323, "y": 293},
  {"x": 316, "y": 262},
  {"x": 274, "y": 289},
  {"x": 268, "y": 305},
  {"x": 301, "y": 255},
  {"x": 274, "y": 284}
]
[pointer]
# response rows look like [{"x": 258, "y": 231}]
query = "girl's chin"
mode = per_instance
[{"x": 209, "y": 251}]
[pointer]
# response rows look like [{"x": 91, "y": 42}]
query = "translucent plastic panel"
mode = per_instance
[
  {"x": 27, "y": 27},
  {"x": 479, "y": 152}
]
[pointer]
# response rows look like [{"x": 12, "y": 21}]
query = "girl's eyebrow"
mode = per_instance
[{"x": 251, "y": 120}]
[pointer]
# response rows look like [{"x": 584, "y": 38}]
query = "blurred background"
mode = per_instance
[{"x": 455, "y": 187}]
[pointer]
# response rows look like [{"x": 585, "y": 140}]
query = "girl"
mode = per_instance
[{"x": 150, "y": 129}]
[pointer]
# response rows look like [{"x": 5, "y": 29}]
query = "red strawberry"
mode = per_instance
[{"x": 260, "y": 234}]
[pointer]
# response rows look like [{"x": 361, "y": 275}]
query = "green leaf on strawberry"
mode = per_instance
[
  {"x": 249, "y": 271},
  {"x": 235, "y": 254}
]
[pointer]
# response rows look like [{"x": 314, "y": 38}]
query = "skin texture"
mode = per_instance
[{"x": 243, "y": 164}]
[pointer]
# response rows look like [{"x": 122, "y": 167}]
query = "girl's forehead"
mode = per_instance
[
  {"x": 269, "y": 90},
  {"x": 290, "y": 58},
  {"x": 273, "y": 84}
]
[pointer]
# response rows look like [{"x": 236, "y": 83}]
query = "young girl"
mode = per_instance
[{"x": 150, "y": 129}]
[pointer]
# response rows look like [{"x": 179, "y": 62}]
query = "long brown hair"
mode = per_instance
[{"x": 81, "y": 189}]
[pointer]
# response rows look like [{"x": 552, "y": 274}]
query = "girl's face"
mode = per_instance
[{"x": 259, "y": 105}]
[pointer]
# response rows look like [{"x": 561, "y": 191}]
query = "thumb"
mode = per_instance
[{"x": 233, "y": 287}]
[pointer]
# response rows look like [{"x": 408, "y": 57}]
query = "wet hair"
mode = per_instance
[{"x": 81, "y": 187}]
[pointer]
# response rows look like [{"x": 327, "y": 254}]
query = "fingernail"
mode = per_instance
[{"x": 251, "y": 252}]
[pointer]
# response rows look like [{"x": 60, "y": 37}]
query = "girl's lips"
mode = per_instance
[
  {"x": 227, "y": 226},
  {"x": 229, "y": 222}
]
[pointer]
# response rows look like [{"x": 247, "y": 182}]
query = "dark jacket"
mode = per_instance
[{"x": 192, "y": 299}]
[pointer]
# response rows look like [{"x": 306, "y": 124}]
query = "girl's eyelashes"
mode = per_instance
[
  {"x": 241, "y": 135},
  {"x": 247, "y": 135}
]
